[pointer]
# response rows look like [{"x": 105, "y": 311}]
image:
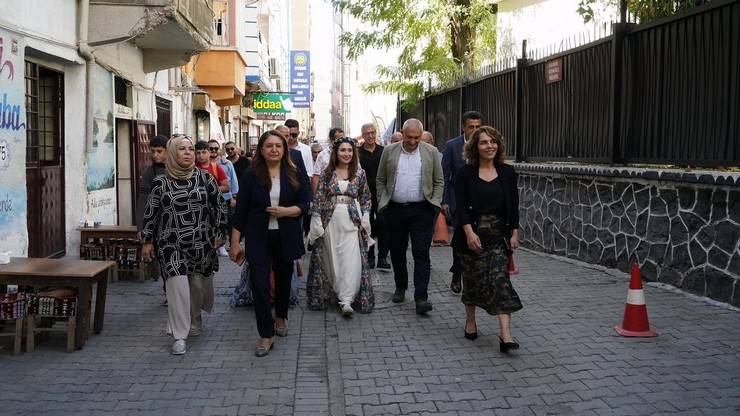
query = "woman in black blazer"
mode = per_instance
[
  {"x": 487, "y": 232},
  {"x": 273, "y": 196}
]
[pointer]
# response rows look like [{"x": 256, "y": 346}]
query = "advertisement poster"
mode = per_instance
[
  {"x": 101, "y": 161},
  {"x": 300, "y": 78},
  {"x": 13, "y": 226}
]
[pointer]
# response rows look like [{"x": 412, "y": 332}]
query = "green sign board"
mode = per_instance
[{"x": 272, "y": 103}]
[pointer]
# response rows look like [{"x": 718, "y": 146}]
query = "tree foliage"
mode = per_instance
[
  {"x": 644, "y": 10},
  {"x": 439, "y": 40}
]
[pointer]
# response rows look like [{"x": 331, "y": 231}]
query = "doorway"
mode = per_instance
[
  {"x": 45, "y": 161},
  {"x": 164, "y": 117},
  {"x": 125, "y": 181},
  {"x": 140, "y": 157}
]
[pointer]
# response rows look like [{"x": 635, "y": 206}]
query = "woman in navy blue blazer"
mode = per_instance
[{"x": 273, "y": 196}]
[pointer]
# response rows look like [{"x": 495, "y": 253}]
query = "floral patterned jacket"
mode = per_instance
[
  {"x": 324, "y": 202},
  {"x": 319, "y": 291}
]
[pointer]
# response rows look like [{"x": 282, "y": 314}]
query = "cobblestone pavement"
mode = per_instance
[{"x": 395, "y": 362}]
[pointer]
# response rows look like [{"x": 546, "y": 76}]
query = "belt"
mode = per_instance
[
  {"x": 344, "y": 199},
  {"x": 408, "y": 204}
]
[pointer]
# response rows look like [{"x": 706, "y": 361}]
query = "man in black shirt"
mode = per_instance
[
  {"x": 240, "y": 163},
  {"x": 370, "y": 153}
]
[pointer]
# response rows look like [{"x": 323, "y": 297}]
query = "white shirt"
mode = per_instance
[
  {"x": 307, "y": 157},
  {"x": 322, "y": 161},
  {"x": 274, "y": 202},
  {"x": 408, "y": 178}
]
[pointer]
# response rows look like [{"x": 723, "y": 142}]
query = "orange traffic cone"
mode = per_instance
[
  {"x": 512, "y": 266},
  {"x": 441, "y": 236},
  {"x": 635, "y": 322}
]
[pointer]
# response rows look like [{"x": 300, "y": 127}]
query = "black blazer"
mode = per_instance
[
  {"x": 297, "y": 158},
  {"x": 251, "y": 218},
  {"x": 468, "y": 206}
]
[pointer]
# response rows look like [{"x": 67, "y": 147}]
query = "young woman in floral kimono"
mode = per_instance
[{"x": 340, "y": 235}]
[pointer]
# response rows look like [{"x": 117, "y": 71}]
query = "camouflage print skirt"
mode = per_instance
[{"x": 485, "y": 275}]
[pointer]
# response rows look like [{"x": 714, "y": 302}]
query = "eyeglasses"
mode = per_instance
[
  {"x": 230, "y": 149},
  {"x": 293, "y": 134},
  {"x": 213, "y": 149}
]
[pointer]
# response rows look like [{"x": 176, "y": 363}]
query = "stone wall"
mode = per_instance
[{"x": 682, "y": 228}]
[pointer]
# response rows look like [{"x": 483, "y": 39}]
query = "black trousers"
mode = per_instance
[
  {"x": 455, "y": 269},
  {"x": 380, "y": 231},
  {"x": 260, "y": 280},
  {"x": 417, "y": 221}
]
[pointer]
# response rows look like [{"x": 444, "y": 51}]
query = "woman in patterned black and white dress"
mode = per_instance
[{"x": 183, "y": 215}]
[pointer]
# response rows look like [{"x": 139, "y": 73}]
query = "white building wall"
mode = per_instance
[
  {"x": 322, "y": 58},
  {"x": 50, "y": 27},
  {"x": 75, "y": 168}
]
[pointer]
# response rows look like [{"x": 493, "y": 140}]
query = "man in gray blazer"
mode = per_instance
[{"x": 410, "y": 184}]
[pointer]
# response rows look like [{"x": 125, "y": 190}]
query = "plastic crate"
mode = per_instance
[
  {"x": 13, "y": 305},
  {"x": 52, "y": 307},
  {"x": 92, "y": 251}
]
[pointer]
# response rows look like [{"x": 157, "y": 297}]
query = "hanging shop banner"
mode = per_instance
[
  {"x": 300, "y": 78},
  {"x": 271, "y": 102},
  {"x": 13, "y": 205}
]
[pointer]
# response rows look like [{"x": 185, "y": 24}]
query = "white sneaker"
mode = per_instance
[
  {"x": 222, "y": 252},
  {"x": 179, "y": 347},
  {"x": 347, "y": 311}
]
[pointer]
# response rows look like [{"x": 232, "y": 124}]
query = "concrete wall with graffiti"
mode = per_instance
[{"x": 13, "y": 235}]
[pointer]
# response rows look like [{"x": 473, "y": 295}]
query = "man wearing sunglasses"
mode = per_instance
[
  {"x": 293, "y": 143},
  {"x": 216, "y": 156},
  {"x": 240, "y": 163},
  {"x": 203, "y": 162}
]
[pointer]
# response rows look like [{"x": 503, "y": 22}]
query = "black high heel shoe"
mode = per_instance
[
  {"x": 471, "y": 335},
  {"x": 506, "y": 346}
]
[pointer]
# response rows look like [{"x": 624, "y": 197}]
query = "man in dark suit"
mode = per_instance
[
  {"x": 298, "y": 160},
  {"x": 452, "y": 161},
  {"x": 295, "y": 155}
]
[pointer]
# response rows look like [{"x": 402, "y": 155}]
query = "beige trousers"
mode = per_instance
[
  {"x": 201, "y": 298},
  {"x": 186, "y": 297}
]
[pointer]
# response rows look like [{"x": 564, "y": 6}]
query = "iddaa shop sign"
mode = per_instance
[{"x": 272, "y": 103}]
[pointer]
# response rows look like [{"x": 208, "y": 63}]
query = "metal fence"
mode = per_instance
[{"x": 665, "y": 92}]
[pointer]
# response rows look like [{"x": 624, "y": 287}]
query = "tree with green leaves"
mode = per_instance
[
  {"x": 644, "y": 10},
  {"x": 438, "y": 40}
]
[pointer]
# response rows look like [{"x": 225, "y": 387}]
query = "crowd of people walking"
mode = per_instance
[{"x": 351, "y": 204}]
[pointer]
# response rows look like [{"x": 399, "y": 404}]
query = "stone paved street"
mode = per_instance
[{"x": 395, "y": 362}]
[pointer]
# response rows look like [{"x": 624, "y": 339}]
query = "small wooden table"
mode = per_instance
[
  {"x": 109, "y": 231},
  {"x": 104, "y": 232},
  {"x": 81, "y": 274}
]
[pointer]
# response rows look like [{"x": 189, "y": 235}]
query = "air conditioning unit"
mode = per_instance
[{"x": 274, "y": 71}]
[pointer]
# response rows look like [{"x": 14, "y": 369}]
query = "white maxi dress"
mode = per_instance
[{"x": 342, "y": 260}]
